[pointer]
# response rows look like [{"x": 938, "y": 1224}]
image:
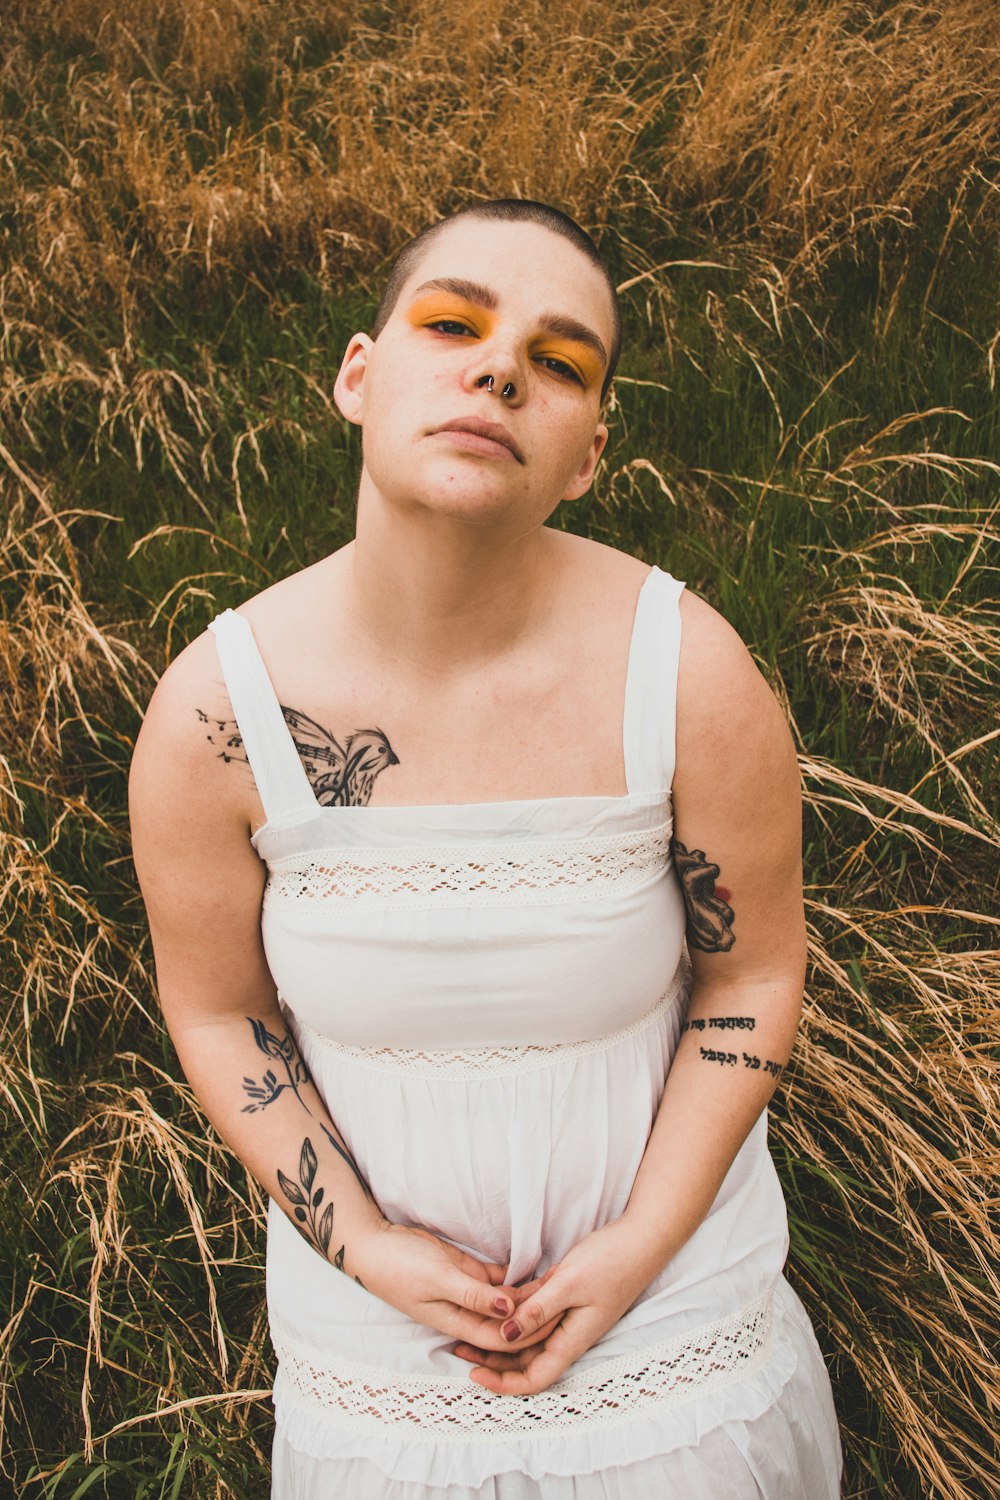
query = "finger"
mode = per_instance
[
  {"x": 537, "y": 1281},
  {"x": 526, "y": 1289},
  {"x": 491, "y": 1360},
  {"x": 538, "y": 1311},
  {"x": 481, "y": 1297},
  {"x": 484, "y": 1333},
  {"x": 486, "y": 1271},
  {"x": 540, "y": 1369}
]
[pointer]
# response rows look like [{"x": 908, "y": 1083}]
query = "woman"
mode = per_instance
[{"x": 420, "y": 832}]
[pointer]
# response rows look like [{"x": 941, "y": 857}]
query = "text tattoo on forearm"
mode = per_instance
[{"x": 730, "y": 1060}]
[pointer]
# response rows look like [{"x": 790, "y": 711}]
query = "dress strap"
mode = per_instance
[
  {"x": 650, "y": 723},
  {"x": 282, "y": 784}
]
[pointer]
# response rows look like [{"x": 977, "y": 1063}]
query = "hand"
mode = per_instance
[
  {"x": 441, "y": 1286},
  {"x": 577, "y": 1300}
]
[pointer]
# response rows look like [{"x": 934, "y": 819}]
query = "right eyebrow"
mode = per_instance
[{"x": 471, "y": 291}]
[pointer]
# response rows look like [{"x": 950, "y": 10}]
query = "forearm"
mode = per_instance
[
  {"x": 734, "y": 1047},
  {"x": 250, "y": 1079}
]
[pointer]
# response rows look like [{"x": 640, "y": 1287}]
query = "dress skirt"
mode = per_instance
[{"x": 791, "y": 1451}]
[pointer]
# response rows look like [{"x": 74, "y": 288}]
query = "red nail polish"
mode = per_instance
[
  {"x": 501, "y": 1305},
  {"x": 511, "y": 1331}
]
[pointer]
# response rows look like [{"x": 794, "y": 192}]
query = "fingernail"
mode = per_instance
[
  {"x": 501, "y": 1305},
  {"x": 511, "y": 1331}
]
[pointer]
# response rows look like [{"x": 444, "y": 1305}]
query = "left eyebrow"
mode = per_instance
[{"x": 484, "y": 296}]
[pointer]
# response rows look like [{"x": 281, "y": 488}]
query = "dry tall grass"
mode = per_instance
[{"x": 159, "y": 160}]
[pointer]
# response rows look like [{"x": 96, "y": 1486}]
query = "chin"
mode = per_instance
[{"x": 476, "y": 499}]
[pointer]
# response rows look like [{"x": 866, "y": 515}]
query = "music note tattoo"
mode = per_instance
[{"x": 340, "y": 775}]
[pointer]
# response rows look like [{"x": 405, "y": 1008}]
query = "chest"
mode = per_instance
[{"x": 546, "y": 725}]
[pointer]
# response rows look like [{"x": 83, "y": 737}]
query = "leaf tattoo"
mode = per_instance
[
  {"x": 315, "y": 1229},
  {"x": 349, "y": 1160},
  {"x": 305, "y": 1198}
]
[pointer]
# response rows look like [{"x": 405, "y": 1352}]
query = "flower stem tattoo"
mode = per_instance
[
  {"x": 709, "y": 916},
  {"x": 306, "y": 1203},
  {"x": 316, "y": 1229},
  {"x": 284, "y": 1050}
]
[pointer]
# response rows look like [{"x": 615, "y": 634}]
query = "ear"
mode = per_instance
[
  {"x": 349, "y": 385},
  {"x": 580, "y": 483}
]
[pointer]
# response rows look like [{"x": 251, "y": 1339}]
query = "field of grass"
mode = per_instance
[{"x": 197, "y": 201}]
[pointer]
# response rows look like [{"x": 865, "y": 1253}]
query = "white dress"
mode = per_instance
[{"x": 488, "y": 997}]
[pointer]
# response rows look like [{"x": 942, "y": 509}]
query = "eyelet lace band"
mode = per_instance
[
  {"x": 478, "y": 1062},
  {"x": 542, "y": 871},
  {"x": 363, "y": 1399}
]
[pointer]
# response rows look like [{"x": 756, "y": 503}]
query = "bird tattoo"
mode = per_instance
[{"x": 340, "y": 776}]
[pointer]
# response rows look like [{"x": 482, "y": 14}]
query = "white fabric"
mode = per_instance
[{"x": 488, "y": 997}]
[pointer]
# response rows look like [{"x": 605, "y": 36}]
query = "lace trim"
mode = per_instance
[
  {"x": 440, "y": 1408},
  {"x": 477, "y": 1062},
  {"x": 492, "y": 874}
]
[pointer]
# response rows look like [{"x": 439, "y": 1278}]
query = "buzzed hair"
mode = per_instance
[{"x": 505, "y": 211}]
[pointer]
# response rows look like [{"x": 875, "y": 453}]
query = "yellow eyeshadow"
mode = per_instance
[
  {"x": 440, "y": 305},
  {"x": 579, "y": 356},
  {"x": 437, "y": 306}
]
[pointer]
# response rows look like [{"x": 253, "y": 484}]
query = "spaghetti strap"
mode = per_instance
[
  {"x": 650, "y": 722},
  {"x": 282, "y": 784}
]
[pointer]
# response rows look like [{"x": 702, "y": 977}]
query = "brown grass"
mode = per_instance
[
  {"x": 808, "y": 125},
  {"x": 231, "y": 145}
]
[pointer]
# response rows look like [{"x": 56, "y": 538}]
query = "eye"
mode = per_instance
[
  {"x": 560, "y": 367},
  {"x": 451, "y": 327}
]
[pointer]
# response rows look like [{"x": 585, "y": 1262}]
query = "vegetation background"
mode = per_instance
[{"x": 197, "y": 200}]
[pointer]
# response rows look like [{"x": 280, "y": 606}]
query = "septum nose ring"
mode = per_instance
[{"x": 489, "y": 383}]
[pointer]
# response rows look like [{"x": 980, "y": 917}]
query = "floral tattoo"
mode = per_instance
[
  {"x": 709, "y": 916},
  {"x": 305, "y": 1198}
]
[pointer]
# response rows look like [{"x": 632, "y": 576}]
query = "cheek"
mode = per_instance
[{"x": 568, "y": 437}]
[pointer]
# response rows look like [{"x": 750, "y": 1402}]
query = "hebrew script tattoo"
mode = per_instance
[
  {"x": 304, "y": 1199},
  {"x": 340, "y": 776},
  {"x": 730, "y": 1060},
  {"x": 709, "y": 916},
  {"x": 721, "y": 1023}
]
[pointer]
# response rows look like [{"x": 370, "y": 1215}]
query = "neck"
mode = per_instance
[{"x": 443, "y": 597}]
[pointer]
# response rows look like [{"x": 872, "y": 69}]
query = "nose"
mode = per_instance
[
  {"x": 498, "y": 372},
  {"x": 488, "y": 383}
]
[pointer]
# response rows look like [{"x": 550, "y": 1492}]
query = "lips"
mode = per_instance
[{"x": 478, "y": 427}]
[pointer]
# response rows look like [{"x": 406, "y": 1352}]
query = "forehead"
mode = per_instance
[{"x": 533, "y": 270}]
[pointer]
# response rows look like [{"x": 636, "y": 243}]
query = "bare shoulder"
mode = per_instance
[
  {"x": 603, "y": 573},
  {"x": 723, "y": 700},
  {"x": 180, "y": 759}
]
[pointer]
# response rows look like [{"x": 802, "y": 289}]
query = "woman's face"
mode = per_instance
[{"x": 514, "y": 302}]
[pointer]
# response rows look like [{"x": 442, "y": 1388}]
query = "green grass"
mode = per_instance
[{"x": 810, "y": 439}]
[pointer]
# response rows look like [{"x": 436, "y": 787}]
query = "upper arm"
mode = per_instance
[
  {"x": 201, "y": 879},
  {"x": 737, "y": 811}
]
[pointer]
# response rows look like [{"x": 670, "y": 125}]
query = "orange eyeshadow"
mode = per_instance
[
  {"x": 437, "y": 306},
  {"x": 579, "y": 356},
  {"x": 441, "y": 305}
]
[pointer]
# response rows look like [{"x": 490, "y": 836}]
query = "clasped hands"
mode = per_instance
[{"x": 554, "y": 1319}]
